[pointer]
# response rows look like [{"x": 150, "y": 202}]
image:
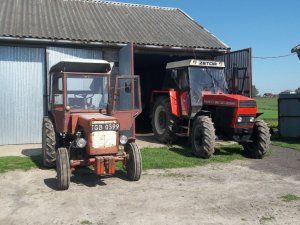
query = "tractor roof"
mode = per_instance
[
  {"x": 196, "y": 63},
  {"x": 82, "y": 66}
]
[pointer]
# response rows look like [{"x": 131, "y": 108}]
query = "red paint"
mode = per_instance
[
  {"x": 184, "y": 102},
  {"x": 174, "y": 99}
]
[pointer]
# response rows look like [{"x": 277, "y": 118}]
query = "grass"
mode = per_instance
[
  {"x": 290, "y": 198},
  {"x": 9, "y": 163},
  {"x": 164, "y": 158},
  {"x": 269, "y": 107},
  {"x": 153, "y": 158}
]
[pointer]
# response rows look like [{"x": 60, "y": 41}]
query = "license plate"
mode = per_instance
[{"x": 105, "y": 127}]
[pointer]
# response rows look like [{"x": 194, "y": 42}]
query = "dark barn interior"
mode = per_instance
[{"x": 152, "y": 69}]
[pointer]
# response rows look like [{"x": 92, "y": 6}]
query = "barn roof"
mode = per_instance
[{"x": 91, "y": 21}]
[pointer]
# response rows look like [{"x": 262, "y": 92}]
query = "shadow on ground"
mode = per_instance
[
  {"x": 31, "y": 152},
  {"x": 87, "y": 177}
]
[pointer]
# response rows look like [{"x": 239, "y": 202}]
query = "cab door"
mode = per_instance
[
  {"x": 238, "y": 71},
  {"x": 126, "y": 96},
  {"x": 127, "y": 103}
]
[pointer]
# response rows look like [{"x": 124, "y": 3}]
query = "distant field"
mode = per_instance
[{"x": 269, "y": 107}]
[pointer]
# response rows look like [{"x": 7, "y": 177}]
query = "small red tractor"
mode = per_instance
[
  {"x": 195, "y": 102},
  {"x": 89, "y": 118}
]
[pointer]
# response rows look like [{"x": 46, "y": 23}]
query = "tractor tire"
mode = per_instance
[
  {"x": 63, "y": 169},
  {"x": 163, "y": 122},
  {"x": 203, "y": 137},
  {"x": 134, "y": 161},
  {"x": 260, "y": 141},
  {"x": 48, "y": 143}
]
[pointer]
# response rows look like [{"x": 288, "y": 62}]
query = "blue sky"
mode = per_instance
[{"x": 270, "y": 28}]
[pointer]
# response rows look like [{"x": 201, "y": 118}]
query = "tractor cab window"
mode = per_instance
[
  {"x": 205, "y": 79},
  {"x": 57, "y": 90},
  {"x": 88, "y": 92},
  {"x": 177, "y": 78}
]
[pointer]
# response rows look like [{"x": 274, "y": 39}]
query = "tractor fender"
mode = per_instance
[
  {"x": 174, "y": 100},
  {"x": 258, "y": 114}
]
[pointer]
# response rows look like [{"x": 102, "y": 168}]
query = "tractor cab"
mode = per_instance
[{"x": 194, "y": 78}]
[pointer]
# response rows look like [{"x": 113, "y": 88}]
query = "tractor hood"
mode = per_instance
[
  {"x": 85, "y": 120},
  {"x": 229, "y": 100}
]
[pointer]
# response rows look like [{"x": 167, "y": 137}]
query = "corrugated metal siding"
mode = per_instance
[
  {"x": 238, "y": 59},
  {"x": 97, "y": 21},
  {"x": 56, "y": 54},
  {"x": 289, "y": 115},
  {"x": 21, "y": 94}
]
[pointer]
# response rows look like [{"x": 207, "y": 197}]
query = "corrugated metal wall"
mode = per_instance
[
  {"x": 21, "y": 94},
  {"x": 22, "y": 80},
  {"x": 289, "y": 115},
  {"x": 56, "y": 54}
]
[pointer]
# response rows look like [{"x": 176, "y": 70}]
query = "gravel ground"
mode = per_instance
[{"x": 240, "y": 192}]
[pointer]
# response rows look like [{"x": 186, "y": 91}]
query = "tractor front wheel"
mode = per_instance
[
  {"x": 163, "y": 122},
  {"x": 203, "y": 137},
  {"x": 63, "y": 169},
  {"x": 260, "y": 141},
  {"x": 48, "y": 143},
  {"x": 134, "y": 161}
]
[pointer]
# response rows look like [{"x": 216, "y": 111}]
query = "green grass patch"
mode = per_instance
[
  {"x": 153, "y": 158},
  {"x": 166, "y": 158},
  {"x": 9, "y": 163},
  {"x": 290, "y": 198},
  {"x": 269, "y": 108}
]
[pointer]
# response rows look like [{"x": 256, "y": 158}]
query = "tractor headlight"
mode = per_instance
[
  {"x": 123, "y": 139},
  {"x": 81, "y": 143},
  {"x": 239, "y": 119},
  {"x": 252, "y": 119}
]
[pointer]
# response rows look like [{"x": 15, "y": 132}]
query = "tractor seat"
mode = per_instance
[{"x": 76, "y": 102}]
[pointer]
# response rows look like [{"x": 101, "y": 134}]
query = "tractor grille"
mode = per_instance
[
  {"x": 248, "y": 104},
  {"x": 104, "y": 138}
]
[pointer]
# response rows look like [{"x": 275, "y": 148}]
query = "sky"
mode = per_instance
[{"x": 269, "y": 27}]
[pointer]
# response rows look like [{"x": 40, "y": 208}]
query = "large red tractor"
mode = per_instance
[
  {"x": 195, "y": 102},
  {"x": 89, "y": 118}
]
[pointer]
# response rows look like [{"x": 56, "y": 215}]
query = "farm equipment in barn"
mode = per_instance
[
  {"x": 195, "y": 102},
  {"x": 89, "y": 118}
]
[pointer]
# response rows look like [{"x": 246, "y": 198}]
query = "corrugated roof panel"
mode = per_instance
[{"x": 96, "y": 21}]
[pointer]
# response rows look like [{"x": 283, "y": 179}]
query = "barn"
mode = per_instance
[{"x": 139, "y": 39}]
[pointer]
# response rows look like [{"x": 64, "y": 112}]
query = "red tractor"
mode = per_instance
[
  {"x": 195, "y": 102},
  {"x": 89, "y": 118}
]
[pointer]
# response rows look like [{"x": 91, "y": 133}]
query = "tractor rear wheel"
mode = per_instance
[
  {"x": 134, "y": 161},
  {"x": 163, "y": 122},
  {"x": 63, "y": 169},
  {"x": 260, "y": 141},
  {"x": 203, "y": 137},
  {"x": 48, "y": 143}
]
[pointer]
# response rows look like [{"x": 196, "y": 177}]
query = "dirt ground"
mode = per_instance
[{"x": 240, "y": 192}]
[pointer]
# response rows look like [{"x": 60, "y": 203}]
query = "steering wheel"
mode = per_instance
[{"x": 84, "y": 95}]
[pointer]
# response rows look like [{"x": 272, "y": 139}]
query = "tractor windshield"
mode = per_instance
[
  {"x": 206, "y": 79},
  {"x": 89, "y": 92}
]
